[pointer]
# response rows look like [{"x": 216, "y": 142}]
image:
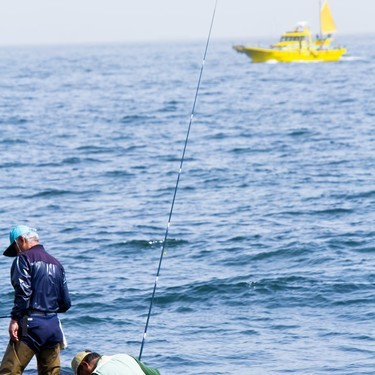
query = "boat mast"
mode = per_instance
[{"x": 320, "y": 19}]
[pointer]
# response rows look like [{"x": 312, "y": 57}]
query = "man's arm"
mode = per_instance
[
  {"x": 64, "y": 300},
  {"x": 21, "y": 281}
]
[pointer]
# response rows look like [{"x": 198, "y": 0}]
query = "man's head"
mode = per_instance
[
  {"x": 84, "y": 363},
  {"x": 21, "y": 238}
]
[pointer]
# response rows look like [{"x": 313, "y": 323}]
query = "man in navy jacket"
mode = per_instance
[{"x": 41, "y": 292}]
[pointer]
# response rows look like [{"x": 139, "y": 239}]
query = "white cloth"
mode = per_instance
[
  {"x": 118, "y": 364},
  {"x": 64, "y": 342}
]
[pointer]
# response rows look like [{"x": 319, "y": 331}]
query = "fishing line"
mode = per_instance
[{"x": 177, "y": 182}]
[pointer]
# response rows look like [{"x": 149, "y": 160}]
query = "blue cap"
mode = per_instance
[{"x": 18, "y": 230}]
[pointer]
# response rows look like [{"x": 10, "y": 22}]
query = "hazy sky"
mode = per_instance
[{"x": 24, "y": 22}]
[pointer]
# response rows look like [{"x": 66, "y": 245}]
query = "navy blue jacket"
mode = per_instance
[{"x": 39, "y": 283}]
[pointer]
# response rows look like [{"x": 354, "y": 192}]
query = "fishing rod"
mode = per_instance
[{"x": 177, "y": 182}]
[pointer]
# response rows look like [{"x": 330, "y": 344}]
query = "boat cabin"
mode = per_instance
[{"x": 299, "y": 38}]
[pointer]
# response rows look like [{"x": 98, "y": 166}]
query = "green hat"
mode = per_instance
[
  {"x": 76, "y": 361},
  {"x": 18, "y": 230}
]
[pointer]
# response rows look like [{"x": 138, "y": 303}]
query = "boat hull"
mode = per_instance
[{"x": 259, "y": 55}]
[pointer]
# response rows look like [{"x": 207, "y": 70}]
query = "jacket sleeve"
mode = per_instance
[
  {"x": 64, "y": 301},
  {"x": 147, "y": 369},
  {"x": 21, "y": 282}
]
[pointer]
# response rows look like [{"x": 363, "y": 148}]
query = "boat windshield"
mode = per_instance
[{"x": 292, "y": 38}]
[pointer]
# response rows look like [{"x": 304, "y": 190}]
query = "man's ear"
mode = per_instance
[
  {"x": 87, "y": 367},
  {"x": 23, "y": 239}
]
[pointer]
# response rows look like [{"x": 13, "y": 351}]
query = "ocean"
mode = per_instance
[{"x": 269, "y": 265}]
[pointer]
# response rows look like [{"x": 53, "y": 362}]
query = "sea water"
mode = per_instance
[{"x": 269, "y": 265}]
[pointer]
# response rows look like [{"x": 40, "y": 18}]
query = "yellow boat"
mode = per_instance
[{"x": 298, "y": 45}]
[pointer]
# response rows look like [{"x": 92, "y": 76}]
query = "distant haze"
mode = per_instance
[{"x": 97, "y": 21}]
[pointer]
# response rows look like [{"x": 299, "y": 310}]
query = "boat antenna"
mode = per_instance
[{"x": 177, "y": 182}]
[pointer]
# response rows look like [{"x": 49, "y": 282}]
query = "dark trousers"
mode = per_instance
[{"x": 18, "y": 355}]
